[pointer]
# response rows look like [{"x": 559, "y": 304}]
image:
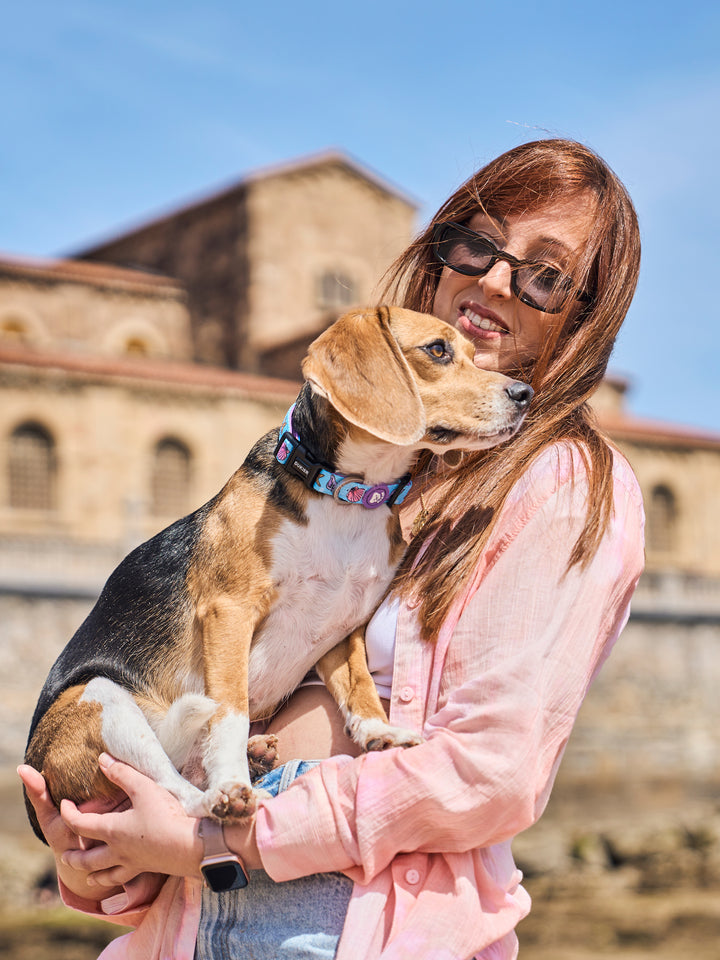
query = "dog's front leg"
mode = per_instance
[
  {"x": 227, "y": 630},
  {"x": 344, "y": 671}
]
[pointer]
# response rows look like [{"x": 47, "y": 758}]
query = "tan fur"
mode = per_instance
[
  {"x": 70, "y": 767},
  {"x": 344, "y": 671}
]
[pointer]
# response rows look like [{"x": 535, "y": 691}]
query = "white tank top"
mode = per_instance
[{"x": 380, "y": 644}]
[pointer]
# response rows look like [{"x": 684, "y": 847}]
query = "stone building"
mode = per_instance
[
  {"x": 272, "y": 260},
  {"x": 129, "y": 395},
  {"x": 652, "y": 717}
]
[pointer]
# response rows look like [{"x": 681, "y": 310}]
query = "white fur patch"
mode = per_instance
[
  {"x": 129, "y": 737},
  {"x": 183, "y": 724},
  {"x": 226, "y": 751},
  {"x": 330, "y": 575}
]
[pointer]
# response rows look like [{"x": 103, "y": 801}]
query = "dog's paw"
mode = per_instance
[
  {"x": 378, "y": 735},
  {"x": 262, "y": 754},
  {"x": 231, "y": 802}
]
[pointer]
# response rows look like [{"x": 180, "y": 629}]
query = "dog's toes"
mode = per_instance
[
  {"x": 262, "y": 752},
  {"x": 393, "y": 737},
  {"x": 383, "y": 743},
  {"x": 233, "y": 802}
]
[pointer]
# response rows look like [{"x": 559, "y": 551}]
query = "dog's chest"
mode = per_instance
[{"x": 329, "y": 576}]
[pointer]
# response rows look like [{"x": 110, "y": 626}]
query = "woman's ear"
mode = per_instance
[{"x": 358, "y": 366}]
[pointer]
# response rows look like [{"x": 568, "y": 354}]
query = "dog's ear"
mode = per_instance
[{"x": 359, "y": 367}]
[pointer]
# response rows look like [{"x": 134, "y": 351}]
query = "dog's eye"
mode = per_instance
[{"x": 439, "y": 350}]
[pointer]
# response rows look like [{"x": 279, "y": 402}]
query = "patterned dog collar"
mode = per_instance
[{"x": 297, "y": 459}]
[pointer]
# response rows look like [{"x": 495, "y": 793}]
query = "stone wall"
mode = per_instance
[
  {"x": 96, "y": 310},
  {"x": 205, "y": 247}
]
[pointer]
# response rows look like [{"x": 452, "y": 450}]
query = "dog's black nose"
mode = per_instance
[{"x": 520, "y": 393}]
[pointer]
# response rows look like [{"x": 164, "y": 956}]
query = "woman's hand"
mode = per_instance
[
  {"x": 152, "y": 834},
  {"x": 61, "y": 839}
]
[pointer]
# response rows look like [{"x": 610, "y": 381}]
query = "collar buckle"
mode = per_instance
[{"x": 297, "y": 459}]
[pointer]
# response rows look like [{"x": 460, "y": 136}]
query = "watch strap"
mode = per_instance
[
  {"x": 222, "y": 869},
  {"x": 213, "y": 838}
]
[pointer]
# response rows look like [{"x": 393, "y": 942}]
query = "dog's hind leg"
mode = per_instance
[
  {"x": 344, "y": 671},
  {"x": 128, "y": 736}
]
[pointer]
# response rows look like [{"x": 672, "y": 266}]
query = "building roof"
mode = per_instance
[
  {"x": 102, "y": 275},
  {"x": 329, "y": 157},
  {"x": 626, "y": 426},
  {"x": 168, "y": 372}
]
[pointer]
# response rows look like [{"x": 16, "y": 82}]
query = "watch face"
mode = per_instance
[{"x": 228, "y": 875}]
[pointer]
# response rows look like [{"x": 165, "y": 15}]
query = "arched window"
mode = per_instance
[
  {"x": 136, "y": 347},
  {"x": 14, "y": 329},
  {"x": 662, "y": 517},
  {"x": 335, "y": 290},
  {"x": 170, "y": 480},
  {"x": 32, "y": 468}
]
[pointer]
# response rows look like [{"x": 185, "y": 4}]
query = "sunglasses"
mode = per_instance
[{"x": 533, "y": 283}]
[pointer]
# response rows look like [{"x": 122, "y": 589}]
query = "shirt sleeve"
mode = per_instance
[{"x": 526, "y": 646}]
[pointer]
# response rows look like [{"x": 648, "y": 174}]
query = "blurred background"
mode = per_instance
[{"x": 189, "y": 194}]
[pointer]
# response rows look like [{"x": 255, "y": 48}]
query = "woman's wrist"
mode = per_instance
[
  {"x": 189, "y": 849},
  {"x": 241, "y": 840}
]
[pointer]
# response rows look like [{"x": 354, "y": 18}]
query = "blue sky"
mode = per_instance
[{"x": 115, "y": 111}]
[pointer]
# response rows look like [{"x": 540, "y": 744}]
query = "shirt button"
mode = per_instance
[
  {"x": 412, "y": 876},
  {"x": 407, "y": 694}
]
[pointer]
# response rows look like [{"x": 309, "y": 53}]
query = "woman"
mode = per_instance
[{"x": 516, "y": 583}]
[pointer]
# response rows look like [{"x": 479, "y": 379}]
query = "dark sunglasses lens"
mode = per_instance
[
  {"x": 462, "y": 253},
  {"x": 543, "y": 287}
]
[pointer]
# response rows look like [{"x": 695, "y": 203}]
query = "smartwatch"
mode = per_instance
[{"x": 221, "y": 868}]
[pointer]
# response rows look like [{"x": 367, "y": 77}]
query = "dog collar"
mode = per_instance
[{"x": 292, "y": 454}]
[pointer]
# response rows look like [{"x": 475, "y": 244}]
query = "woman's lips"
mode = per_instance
[{"x": 480, "y": 323}]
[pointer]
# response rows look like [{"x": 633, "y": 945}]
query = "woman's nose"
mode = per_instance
[{"x": 497, "y": 282}]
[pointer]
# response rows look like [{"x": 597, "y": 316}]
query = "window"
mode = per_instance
[
  {"x": 662, "y": 515},
  {"x": 170, "y": 480},
  {"x": 335, "y": 290},
  {"x": 137, "y": 347},
  {"x": 32, "y": 468},
  {"x": 13, "y": 329}
]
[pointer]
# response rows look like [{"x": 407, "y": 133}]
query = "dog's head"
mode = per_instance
[{"x": 409, "y": 379}]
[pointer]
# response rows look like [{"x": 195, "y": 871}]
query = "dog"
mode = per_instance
[{"x": 213, "y": 622}]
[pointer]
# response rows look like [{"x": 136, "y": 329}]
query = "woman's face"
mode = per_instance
[{"x": 507, "y": 333}]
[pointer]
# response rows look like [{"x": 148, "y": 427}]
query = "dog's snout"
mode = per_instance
[{"x": 520, "y": 393}]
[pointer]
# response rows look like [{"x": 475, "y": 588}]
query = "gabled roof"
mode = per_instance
[
  {"x": 86, "y": 272},
  {"x": 330, "y": 157}
]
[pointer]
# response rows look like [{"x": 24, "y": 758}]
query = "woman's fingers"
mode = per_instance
[
  {"x": 36, "y": 790},
  {"x": 144, "y": 888},
  {"x": 93, "y": 826},
  {"x": 51, "y": 824},
  {"x": 136, "y": 893},
  {"x": 121, "y": 774}
]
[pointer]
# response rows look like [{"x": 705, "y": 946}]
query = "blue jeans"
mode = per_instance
[{"x": 295, "y": 920}]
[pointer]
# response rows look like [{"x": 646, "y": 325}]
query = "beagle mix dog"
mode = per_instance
[{"x": 214, "y": 622}]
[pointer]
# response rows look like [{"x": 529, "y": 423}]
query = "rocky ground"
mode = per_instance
[{"x": 622, "y": 880}]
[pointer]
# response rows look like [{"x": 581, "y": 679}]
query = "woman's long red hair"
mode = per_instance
[{"x": 569, "y": 369}]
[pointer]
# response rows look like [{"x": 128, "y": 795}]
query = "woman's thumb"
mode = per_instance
[{"x": 118, "y": 772}]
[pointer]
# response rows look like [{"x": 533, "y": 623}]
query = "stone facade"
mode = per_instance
[
  {"x": 271, "y": 261},
  {"x": 88, "y": 309}
]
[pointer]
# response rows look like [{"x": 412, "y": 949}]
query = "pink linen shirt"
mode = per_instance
[{"x": 425, "y": 833}]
